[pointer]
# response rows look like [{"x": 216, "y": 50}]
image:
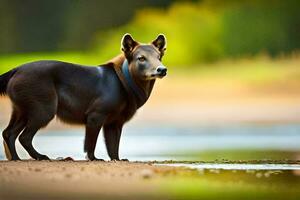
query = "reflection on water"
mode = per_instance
[{"x": 157, "y": 143}]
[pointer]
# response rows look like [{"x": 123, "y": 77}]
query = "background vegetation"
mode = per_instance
[
  {"x": 197, "y": 31},
  {"x": 210, "y": 30},
  {"x": 33, "y": 25}
]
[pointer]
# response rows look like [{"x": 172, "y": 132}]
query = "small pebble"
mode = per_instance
[
  {"x": 146, "y": 173},
  {"x": 267, "y": 174},
  {"x": 259, "y": 175},
  {"x": 68, "y": 159},
  {"x": 68, "y": 175},
  {"x": 37, "y": 170}
]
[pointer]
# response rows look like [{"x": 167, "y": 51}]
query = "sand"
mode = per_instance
[{"x": 79, "y": 180}]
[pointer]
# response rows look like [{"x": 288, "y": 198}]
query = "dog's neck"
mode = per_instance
[{"x": 145, "y": 86}]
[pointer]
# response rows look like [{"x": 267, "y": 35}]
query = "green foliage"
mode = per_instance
[
  {"x": 8, "y": 62},
  {"x": 207, "y": 31},
  {"x": 250, "y": 29},
  {"x": 193, "y": 33}
]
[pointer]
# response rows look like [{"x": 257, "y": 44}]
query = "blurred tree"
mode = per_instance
[
  {"x": 213, "y": 29},
  {"x": 197, "y": 31},
  {"x": 84, "y": 18},
  {"x": 35, "y": 25},
  {"x": 7, "y": 27},
  {"x": 255, "y": 26}
]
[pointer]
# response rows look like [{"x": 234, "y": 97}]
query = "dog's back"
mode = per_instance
[{"x": 63, "y": 88}]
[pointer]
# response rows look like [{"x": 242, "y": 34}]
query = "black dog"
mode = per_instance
[{"x": 105, "y": 96}]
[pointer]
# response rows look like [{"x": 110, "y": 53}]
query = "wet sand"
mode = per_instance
[{"x": 79, "y": 180}]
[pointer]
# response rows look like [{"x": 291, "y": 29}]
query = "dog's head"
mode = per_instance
[{"x": 145, "y": 60}]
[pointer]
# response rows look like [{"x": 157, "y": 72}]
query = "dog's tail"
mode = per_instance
[{"x": 4, "y": 79}]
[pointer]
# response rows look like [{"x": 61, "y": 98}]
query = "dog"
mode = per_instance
[{"x": 105, "y": 96}]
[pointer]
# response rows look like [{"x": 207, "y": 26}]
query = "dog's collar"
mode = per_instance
[
  {"x": 137, "y": 91},
  {"x": 134, "y": 91}
]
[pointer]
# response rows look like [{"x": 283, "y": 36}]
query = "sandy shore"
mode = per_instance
[{"x": 79, "y": 180}]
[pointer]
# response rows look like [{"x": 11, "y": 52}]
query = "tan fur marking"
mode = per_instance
[{"x": 117, "y": 61}]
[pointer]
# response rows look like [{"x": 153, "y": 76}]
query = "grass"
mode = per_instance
[
  {"x": 11, "y": 61},
  {"x": 234, "y": 185},
  {"x": 259, "y": 69},
  {"x": 243, "y": 154},
  {"x": 226, "y": 156}
]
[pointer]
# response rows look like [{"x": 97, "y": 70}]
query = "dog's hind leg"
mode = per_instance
[
  {"x": 10, "y": 134},
  {"x": 38, "y": 118},
  {"x": 26, "y": 140}
]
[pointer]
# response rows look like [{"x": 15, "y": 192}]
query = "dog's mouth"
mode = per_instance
[{"x": 159, "y": 75}]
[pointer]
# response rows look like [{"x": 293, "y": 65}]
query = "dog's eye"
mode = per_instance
[{"x": 141, "y": 58}]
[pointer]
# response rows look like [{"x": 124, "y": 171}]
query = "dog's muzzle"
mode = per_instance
[{"x": 161, "y": 71}]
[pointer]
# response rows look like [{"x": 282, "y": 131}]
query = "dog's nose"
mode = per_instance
[{"x": 162, "y": 70}]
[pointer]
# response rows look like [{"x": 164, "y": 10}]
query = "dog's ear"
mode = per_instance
[
  {"x": 161, "y": 43},
  {"x": 128, "y": 44}
]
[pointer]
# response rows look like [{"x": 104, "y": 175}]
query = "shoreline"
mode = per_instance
[
  {"x": 67, "y": 179},
  {"x": 116, "y": 180}
]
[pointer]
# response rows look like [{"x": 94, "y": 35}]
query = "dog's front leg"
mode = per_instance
[
  {"x": 112, "y": 135},
  {"x": 93, "y": 126}
]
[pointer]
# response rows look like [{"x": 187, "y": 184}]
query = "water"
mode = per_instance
[
  {"x": 239, "y": 166},
  {"x": 162, "y": 142}
]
